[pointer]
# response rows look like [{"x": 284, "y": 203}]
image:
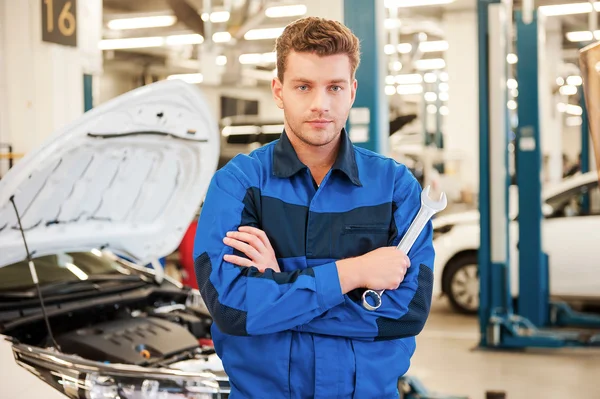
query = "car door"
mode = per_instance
[{"x": 570, "y": 235}]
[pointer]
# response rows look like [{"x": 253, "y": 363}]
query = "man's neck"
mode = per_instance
[{"x": 319, "y": 159}]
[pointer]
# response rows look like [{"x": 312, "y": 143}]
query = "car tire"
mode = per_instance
[{"x": 461, "y": 283}]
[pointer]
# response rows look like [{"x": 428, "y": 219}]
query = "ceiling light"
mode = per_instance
[
  {"x": 512, "y": 58},
  {"x": 388, "y": 49},
  {"x": 560, "y": 81},
  {"x": 404, "y": 48},
  {"x": 572, "y": 109},
  {"x": 444, "y": 76},
  {"x": 397, "y": 66},
  {"x": 568, "y": 90},
  {"x": 221, "y": 60},
  {"x": 434, "y": 63},
  {"x": 573, "y": 121},
  {"x": 428, "y": 47},
  {"x": 407, "y": 79},
  {"x": 414, "y": 3},
  {"x": 431, "y": 109},
  {"x": 142, "y": 22},
  {"x": 390, "y": 90},
  {"x": 256, "y": 58},
  {"x": 221, "y": 37},
  {"x": 512, "y": 105},
  {"x": 574, "y": 80},
  {"x": 136, "y": 42},
  {"x": 581, "y": 36},
  {"x": 267, "y": 33},
  {"x": 409, "y": 89},
  {"x": 444, "y": 110},
  {"x": 430, "y": 77},
  {"x": 567, "y": 9},
  {"x": 180, "y": 40},
  {"x": 217, "y": 16},
  {"x": 187, "y": 77},
  {"x": 430, "y": 97},
  {"x": 512, "y": 84},
  {"x": 561, "y": 107},
  {"x": 285, "y": 11}
]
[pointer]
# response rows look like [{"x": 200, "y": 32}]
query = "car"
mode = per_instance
[
  {"x": 85, "y": 310},
  {"x": 456, "y": 241}
]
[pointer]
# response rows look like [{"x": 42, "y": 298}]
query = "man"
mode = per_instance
[{"x": 291, "y": 235}]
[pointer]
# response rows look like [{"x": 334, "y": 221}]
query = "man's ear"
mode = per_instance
[
  {"x": 277, "y": 91},
  {"x": 353, "y": 91}
]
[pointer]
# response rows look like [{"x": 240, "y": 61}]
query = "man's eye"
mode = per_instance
[
  {"x": 336, "y": 88},
  {"x": 303, "y": 88}
]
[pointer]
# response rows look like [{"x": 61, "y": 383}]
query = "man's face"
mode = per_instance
[{"x": 316, "y": 96}]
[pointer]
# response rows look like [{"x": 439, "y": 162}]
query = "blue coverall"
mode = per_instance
[{"x": 292, "y": 334}]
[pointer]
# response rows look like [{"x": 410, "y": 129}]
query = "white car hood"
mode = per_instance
[
  {"x": 466, "y": 217},
  {"x": 128, "y": 176}
]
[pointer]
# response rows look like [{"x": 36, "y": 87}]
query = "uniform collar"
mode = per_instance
[{"x": 287, "y": 164}]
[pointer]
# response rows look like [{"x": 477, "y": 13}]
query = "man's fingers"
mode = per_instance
[
  {"x": 248, "y": 238},
  {"x": 258, "y": 233},
  {"x": 238, "y": 260},
  {"x": 250, "y": 251}
]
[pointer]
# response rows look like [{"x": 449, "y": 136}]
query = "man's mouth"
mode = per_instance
[{"x": 319, "y": 123}]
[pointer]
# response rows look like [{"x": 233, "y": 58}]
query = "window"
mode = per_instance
[{"x": 580, "y": 201}]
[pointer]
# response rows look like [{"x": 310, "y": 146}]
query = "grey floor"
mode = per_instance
[{"x": 447, "y": 361}]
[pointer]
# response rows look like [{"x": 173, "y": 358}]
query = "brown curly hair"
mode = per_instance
[{"x": 317, "y": 35}]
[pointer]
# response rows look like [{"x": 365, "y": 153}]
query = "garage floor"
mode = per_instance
[{"x": 447, "y": 361}]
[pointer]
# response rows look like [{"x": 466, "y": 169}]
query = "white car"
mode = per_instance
[
  {"x": 573, "y": 267},
  {"x": 125, "y": 179}
]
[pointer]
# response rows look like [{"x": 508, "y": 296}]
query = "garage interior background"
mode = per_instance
[{"x": 59, "y": 58}]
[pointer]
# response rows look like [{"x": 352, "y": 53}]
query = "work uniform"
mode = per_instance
[{"x": 293, "y": 334}]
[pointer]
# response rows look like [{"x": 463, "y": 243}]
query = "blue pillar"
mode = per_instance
[
  {"x": 585, "y": 147},
  {"x": 533, "y": 264},
  {"x": 88, "y": 98},
  {"x": 365, "y": 19}
]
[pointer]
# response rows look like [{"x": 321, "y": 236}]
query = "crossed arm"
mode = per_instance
[{"x": 251, "y": 295}]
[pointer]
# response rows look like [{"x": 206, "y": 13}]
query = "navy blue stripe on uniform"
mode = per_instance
[{"x": 413, "y": 321}]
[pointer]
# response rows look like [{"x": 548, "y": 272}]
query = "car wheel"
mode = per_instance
[{"x": 461, "y": 284}]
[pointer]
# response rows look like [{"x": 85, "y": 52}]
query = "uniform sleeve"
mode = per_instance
[
  {"x": 403, "y": 311},
  {"x": 242, "y": 300}
]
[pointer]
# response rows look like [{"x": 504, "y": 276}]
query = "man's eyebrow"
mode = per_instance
[{"x": 332, "y": 81}]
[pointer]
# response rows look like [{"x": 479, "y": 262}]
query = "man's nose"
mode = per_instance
[{"x": 320, "y": 101}]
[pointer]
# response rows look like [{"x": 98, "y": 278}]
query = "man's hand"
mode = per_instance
[
  {"x": 381, "y": 269},
  {"x": 255, "y": 244}
]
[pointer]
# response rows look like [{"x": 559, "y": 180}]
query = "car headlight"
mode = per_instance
[
  {"x": 81, "y": 378},
  {"x": 439, "y": 231}
]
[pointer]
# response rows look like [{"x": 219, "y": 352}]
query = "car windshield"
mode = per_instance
[{"x": 60, "y": 267}]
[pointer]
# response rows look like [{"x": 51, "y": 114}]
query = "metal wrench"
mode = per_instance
[{"x": 427, "y": 210}]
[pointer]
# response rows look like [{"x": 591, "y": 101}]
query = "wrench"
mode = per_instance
[{"x": 427, "y": 210}]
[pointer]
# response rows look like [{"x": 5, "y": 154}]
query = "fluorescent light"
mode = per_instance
[
  {"x": 430, "y": 77},
  {"x": 235, "y": 130},
  {"x": 414, "y": 3},
  {"x": 573, "y": 121},
  {"x": 217, "y": 16},
  {"x": 390, "y": 80},
  {"x": 266, "y": 33},
  {"x": 582, "y": 36},
  {"x": 137, "y": 42},
  {"x": 434, "y": 63},
  {"x": 429, "y": 47},
  {"x": 444, "y": 76},
  {"x": 560, "y": 81},
  {"x": 512, "y": 84},
  {"x": 272, "y": 129},
  {"x": 221, "y": 37},
  {"x": 430, "y": 97},
  {"x": 142, "y": 22},
  {"x": 187, "y": 77},
  {"x": 388, "y": 49},
  {"x": 444, "y": 110},
  {"x": 257, "y": 58},
  {"x": 561, "y": 107},
  {"x": 180, "y": 40},
  {"x": 404, "y": 48},
  {"x": 512, "y": 58},
  {"x": 574, "y": 80},
  {"x": 572, "y": 109},
  {"x": 221, "y": 60},
  {"x": 431, "y": 109},
  {"x": 390, "y": 90},
  {"x": 512, "y": 105},
  {"x": 407, "y": 79},
  {"x": 391, "y": 23},
  {"x": 409, "y": 89},
  {"x": 285, "y": 11},
  {"x": 397, "y": 66},
  {"x": 567, "y": 9},
  {"x": 568, "y": 90}
]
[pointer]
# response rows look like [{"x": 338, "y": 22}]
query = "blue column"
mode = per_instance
[
  {"x": 533, "y": 264},
  {"x": 365, "y": 19},
  {"x": 585, "y": 147},
  {"x": 88, "y": 97}
]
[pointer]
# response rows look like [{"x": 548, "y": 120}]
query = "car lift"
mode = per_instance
[{"x": 501, "y": 327}]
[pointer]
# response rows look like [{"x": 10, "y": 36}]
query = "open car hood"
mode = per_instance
[{"x": 128, "y": 176}]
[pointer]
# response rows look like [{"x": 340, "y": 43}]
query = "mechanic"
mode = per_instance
[{"x": 291, "y": 235}]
